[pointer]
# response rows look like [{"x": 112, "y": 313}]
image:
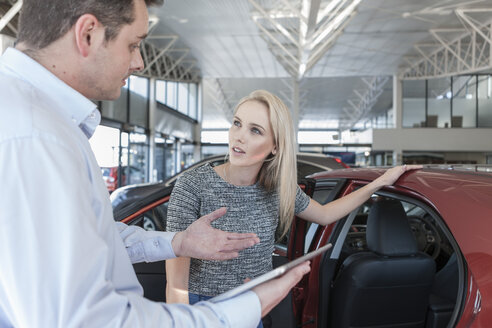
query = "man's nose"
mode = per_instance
[{"x": 137, "y": 63}]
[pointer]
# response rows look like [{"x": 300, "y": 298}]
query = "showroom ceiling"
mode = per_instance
[
  {"x": 339, "y": 54},
  {"x": 242, "y": 45}
]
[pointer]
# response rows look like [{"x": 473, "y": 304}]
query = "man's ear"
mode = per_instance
[{"x": 87, "y": 33}]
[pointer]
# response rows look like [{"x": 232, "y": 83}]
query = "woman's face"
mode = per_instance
[{"x": 251, "y": 135}]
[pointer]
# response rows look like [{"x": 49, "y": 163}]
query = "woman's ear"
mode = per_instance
[{"x": 274, "y": 151}]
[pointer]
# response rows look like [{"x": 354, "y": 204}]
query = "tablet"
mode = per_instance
[{"x": 269, "y": 275}]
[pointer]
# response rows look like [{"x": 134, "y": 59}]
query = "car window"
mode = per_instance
[
  {"x": 305, "y": 169},
  {"x": 325, "y": 192},
  {"x": 430, "y": 238}
]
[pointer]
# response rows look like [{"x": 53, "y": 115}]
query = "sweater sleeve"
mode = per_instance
[{"x": 302, "y": 201}]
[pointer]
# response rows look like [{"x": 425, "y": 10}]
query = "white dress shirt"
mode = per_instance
[{"x": 63, "y": 262}]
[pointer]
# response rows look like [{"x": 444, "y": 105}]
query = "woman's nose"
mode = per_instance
[{"x": 240, "y": 136}]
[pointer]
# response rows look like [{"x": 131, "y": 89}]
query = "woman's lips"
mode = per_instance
[{"x": 237, "y": 150}]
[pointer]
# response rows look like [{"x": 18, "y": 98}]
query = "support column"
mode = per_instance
[
  {"x": 397, "y": 157},
  {"x": 152, "y": 110},
  {"x": 197, "y": 145},
  {"x": 397, "y": 103},
  {"x": 397, "y": 115},
  {"x": 197, "y": 150},
  {"x": 178, "y": 145},
  {"x": 295, "y": 108}
]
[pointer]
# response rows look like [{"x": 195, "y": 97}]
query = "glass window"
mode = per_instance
[
  {"x": 413, "y": 103},
  {"x": 170, "y": 158},
  {"x": 121, "y": 174},
  {"x": 464, "y": 101},
  {"x": 105, "y": 143},
  {"x": 485, "y": 101},
  {"x": 139, "y": 104},
  {"x": 439, "y": 96},
  {"x": 160, "y": 91},
  {"x": 116, "y": 109},
  {"x": 160, "y": 144},
  {"x": 215, "y": 136},
  {"x": 187, "y": 155},
  {"x": 317, "y": 137},
  {"x": 139, "y": 85},
  {"x": 183, "y": 98},
  {"x": 138, "y": 158},
  {"x": 171, "y": 91},
  {"x": 192, "y": 106}
]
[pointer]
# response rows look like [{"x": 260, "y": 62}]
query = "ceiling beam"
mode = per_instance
[
  {"x": 304, "y": 44},
  {"x": 469, "y": 52},
  {"x": 5, "y": 19},
  {"x": 161, "y": 53},
  {"x": 365, "y": 101}
]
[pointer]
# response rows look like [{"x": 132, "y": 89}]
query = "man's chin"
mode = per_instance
[{"x": 107, "y": 96}]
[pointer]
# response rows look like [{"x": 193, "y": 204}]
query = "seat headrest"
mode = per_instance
[{"x": 388, "y": 231}]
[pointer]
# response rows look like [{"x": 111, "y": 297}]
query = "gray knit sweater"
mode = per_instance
[{"x": 249, "y": 209}]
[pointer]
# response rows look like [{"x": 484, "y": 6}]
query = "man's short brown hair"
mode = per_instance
[{"x": 42, "y": 22}]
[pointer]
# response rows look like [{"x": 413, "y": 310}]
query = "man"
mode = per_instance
[{"x": 64, "y": 262}]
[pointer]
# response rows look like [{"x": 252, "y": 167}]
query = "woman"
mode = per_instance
[{"x": 258, "y": 186}]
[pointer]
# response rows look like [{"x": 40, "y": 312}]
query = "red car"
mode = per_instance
[
  {"x": 417, "y": 254},
  {"x": 110, "y": 176}
]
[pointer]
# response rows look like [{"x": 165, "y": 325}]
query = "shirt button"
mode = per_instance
[{"x": 156, "y": 243}]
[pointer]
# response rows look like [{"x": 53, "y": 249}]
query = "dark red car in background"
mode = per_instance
[{"x": 110, "y": 176}]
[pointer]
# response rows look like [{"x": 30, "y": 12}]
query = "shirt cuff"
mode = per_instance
[
  {"x": 243, "y": 310},
  {"x": 148, "y": 246}
]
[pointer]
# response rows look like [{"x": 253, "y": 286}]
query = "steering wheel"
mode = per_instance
[{"x": 426, "y": 234}]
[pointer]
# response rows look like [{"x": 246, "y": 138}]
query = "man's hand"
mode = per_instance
[
  {"x": 272, "y": 292},
  {"x": 202, "y": 241}
]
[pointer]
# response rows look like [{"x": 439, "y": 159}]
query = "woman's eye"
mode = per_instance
[
  {"x": 256, "y": 131},
  {"x": 237, "y": 123}
]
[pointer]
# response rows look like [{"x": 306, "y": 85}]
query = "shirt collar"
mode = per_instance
[{"x": 67, "y": 100}]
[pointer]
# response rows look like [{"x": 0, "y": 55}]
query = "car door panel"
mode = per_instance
[
  {"x": 152, "y": 277},
  {"x": 285, "y": 314}
]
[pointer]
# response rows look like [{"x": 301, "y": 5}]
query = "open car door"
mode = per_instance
[{"x": 300, "y": 240}]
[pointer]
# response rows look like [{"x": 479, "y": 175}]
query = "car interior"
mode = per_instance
[
  {"x": 394, "y": 264},
  {"x": 389, "y": 283}
]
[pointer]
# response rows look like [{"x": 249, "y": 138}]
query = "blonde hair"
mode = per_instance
[{"x": 279, "y": 171}]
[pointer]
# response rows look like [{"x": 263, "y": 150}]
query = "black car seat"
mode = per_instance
[
  {"x": 389, "y": 285},
  {"x": 444, "y": 293}
]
